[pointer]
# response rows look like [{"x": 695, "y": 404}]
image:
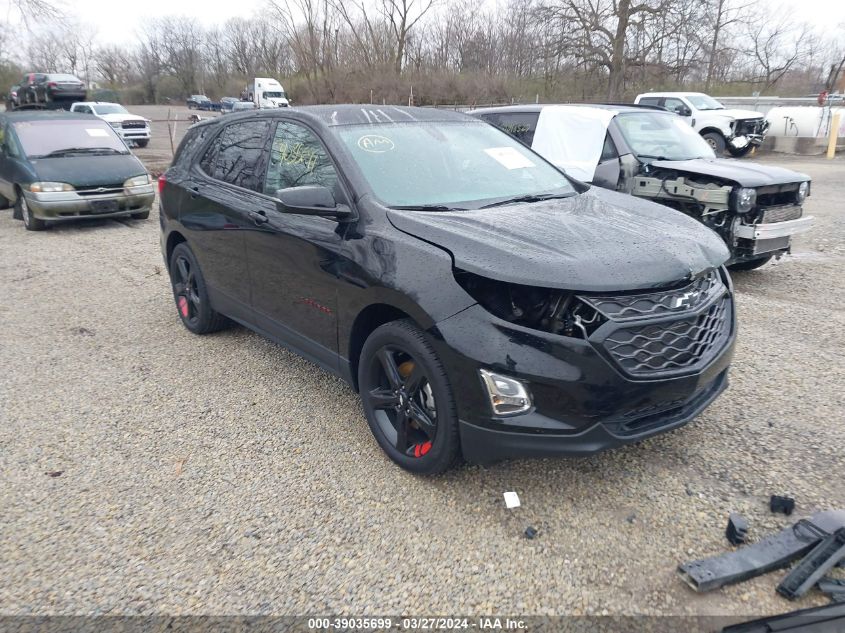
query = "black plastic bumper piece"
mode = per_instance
[
  {"x": 833, "y": 587},
  {"x": 827, "y": 619},
  {"x": 782, "y": 504},
  {"x": 814, "y": 566},
  {"x": 737, "y": 529},
  {"x": 772, "y": 552}
]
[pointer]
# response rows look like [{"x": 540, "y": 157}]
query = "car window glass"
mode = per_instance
[
  {"x": 297, "y": 158},
  {"x": 40, "y": 137},
  {"x": 608, "y": 150},
  {"x": 237, "y": 155},
  {"x": 649, "y": 100},
  {"x": 674, "y": 105},
  {"x": 520, "y": 125}
]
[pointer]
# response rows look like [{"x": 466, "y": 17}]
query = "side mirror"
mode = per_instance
[
  {"x": 683, "y": 110},
  {"x": 310, "y": 200}
]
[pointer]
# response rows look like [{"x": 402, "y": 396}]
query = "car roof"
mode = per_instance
[
  {"x": 672, "y": 94},
  {"x": 52, "y": 115},
  {"x": 537, "y": 107},
  {"x": 336, "y": 115},
  {"x": 95, "y": 103}
]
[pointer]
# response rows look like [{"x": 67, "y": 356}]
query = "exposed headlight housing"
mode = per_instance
[
  {"x": 744, "y": 199},
  {"x": 803, "y": 192},
  {"x": 137, "y": 181},
  {"x": 50, "y": 187},
  {"x": 507, "y": 396}
]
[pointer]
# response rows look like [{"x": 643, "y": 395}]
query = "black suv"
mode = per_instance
[{"x": 480, "y": 301}]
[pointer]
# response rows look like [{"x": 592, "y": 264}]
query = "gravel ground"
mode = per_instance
[{"x": 147, "y": 470}]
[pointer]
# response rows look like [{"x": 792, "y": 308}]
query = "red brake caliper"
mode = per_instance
[
  {"x": 183, "y": 306},
  {"x": 422, "y": 449}
]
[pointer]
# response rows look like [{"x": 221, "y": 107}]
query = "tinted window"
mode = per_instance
[
  {"x": 650, "y": 101},
  {"x": 297, "y": 158},
  {"x": 608, "y": 150},
  {"x": 237, "y": 155},
  {"x": 520, "y": 125}
]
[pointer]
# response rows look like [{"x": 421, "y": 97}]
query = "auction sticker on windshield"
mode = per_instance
[
  {"x": 375, "y": 143},
  {"x": 509, "y": 158}
]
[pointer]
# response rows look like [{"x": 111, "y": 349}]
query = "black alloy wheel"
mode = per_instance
[
  {"x": 407, "y": 399},
  {"x": 189, "y": 292}
]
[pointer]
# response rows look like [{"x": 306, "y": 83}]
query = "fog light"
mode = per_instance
[
  {"x": 507, "y": 396},
  {"x": 803, "y": 190}
]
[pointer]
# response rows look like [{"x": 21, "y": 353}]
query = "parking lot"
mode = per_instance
[{"x": 148, "y": 470}]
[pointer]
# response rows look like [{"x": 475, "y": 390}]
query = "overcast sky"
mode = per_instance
[{"x": 115, "y": 22}]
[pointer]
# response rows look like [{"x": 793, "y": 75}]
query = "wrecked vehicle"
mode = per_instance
[
  {"x": 653, "y": 154},
  {"x": 738, "y": 131},
  {"x": 57, "y": 166},
  {"x": 480, "y": 302}
]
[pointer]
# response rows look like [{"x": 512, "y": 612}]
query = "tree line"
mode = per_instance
[{"x": 460, "y": 51}]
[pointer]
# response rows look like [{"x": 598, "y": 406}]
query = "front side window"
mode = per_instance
[
  {"x": 54, "y": 138},
  {"x": 675, "y": 105},
  {"x": 464, "y": 164},
  {"x": 608, "y": 150},
  {"x": 237, "y": 155},
  {"x": 298, "y": 159},
  {"x": 663, "y": 136}
]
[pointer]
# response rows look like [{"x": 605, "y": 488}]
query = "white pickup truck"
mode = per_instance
[
  {"x": 738, "y": 131},
  {"x": 130, "y": 127}
]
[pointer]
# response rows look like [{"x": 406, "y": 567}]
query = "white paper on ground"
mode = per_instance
[
  {"x": 508, "y": 157},
  {"x": 511, "y": 500}
]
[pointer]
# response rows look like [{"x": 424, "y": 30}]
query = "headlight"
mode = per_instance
[
  {"x": 507, "y": 396},
  {"x": 745, "y": 199},
  {"x": 115, "y": 123},
  {"x": 50, "y": 187},
  {"x": 137, "y": 181},
  {"x": 803, "y": 192}
]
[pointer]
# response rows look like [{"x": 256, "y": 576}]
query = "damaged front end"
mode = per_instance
[
  {"x": 755, "y": 222},
  {"x": 747, "y": 134}
]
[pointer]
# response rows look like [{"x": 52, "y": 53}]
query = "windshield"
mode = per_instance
[
  {"x": 703, "y": 102},
  {"x": 662, "y": 136},
  {"x": 109, "y": 109},
  {"x": 458, "y": 165},
  {"x": 274, "y": 95},
  {"x": 40, "y": 138},
  {"x": 200, "y": 98}
]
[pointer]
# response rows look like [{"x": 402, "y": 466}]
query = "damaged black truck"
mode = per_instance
[
  {"x": 654, "y": 154},
  {"x": 479, "y": 301}
]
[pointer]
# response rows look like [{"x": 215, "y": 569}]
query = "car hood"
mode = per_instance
[
  {"x": 88, "y": 171},
  {"x": 741, "y": 172},
  {"x": 737, "y": 114},
  {"x": 597, "y": 241},
  {"x": 121, "y": 117}
]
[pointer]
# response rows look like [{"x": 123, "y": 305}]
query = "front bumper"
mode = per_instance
[
  {"x": 583, "y": 400},
  {"x": 774, "y": 230},
  {"x": 67, "y": 205},
  {"x": 134, "y": 134}
]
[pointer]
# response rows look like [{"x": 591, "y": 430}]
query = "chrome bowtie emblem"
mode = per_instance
[{"x": 685, "y": 300}]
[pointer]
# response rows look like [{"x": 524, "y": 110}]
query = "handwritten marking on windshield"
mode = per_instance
[{"x": 375, "y": 143}]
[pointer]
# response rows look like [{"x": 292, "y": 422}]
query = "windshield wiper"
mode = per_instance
[
  {"x": 532, "y": 197},
  {"x": 654, "y": 157},
  {"x": 82, "y": 150},
  {"x": 427, "y": 207}
]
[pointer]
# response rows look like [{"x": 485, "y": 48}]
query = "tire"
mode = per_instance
[
  {"x": 716, "y": 141},
  {"x": 4, "y": 202},
  {"x": 142, "y": 142},
  {"x": 190, "y": 106},
  {"x": 739, "y": 153},
  {"x": 22, "y": 211},
  {"x": 191, "y": 294},
  {"x": 751, "y": 264},
  {"x": 422, "y": 437},
  {"x": 142, "y": 215}
]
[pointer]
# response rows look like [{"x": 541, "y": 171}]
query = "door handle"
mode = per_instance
[{"x": 259, "y": 217}]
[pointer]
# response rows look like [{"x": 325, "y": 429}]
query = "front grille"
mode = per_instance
[
  {"x": 661, "y": 347},
  {"x": 781, "y": 214},
  {"x": 749, "y": 126},
  {"x": 134, "y": 125},
  {"x": 100, "y": 190},
  {"x": 637, "y": 306},
  {"x": 777, "y": 195}
]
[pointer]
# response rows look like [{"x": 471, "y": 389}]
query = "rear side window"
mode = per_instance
[
  {"x": 650, "y": 101},
  {"x": 520, "y": 125},
  {"x": 237, "y": 155}
]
